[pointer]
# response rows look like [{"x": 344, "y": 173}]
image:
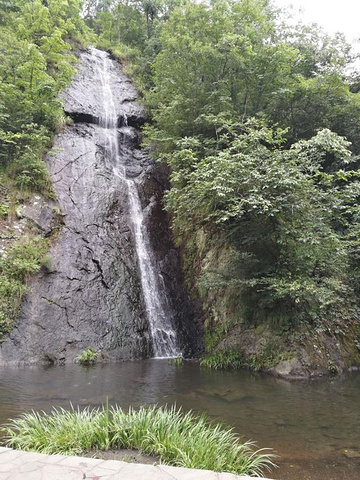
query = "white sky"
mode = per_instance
[{"x": 333, "y": 15}]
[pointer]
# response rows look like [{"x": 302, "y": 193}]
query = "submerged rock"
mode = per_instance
[{"x": 352, "y": 453}]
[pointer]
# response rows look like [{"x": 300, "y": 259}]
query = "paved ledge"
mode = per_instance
[{"x": 18, "y": 465}]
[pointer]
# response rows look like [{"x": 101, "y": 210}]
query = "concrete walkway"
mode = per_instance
[{"x": 18, "y": 465}]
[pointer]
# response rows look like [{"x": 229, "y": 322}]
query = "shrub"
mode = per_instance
[
  {"x": 4, "y": 210},
  {"x": 284, "y": 213},
  {"x": 23, "y": 260},
  {"x": 32, "y": 174}
]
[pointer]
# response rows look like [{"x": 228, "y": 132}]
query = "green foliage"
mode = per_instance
[
  {"x": 4, "y": 210},
  {"x": 23, "y": 260},
  {"x": 125, "y": 24},
  {"x": 35, "y": 66},
  {"x": 4, "y": 198},
  {"x": 224, "y": 359},
  {"x": 31, "y": 173},
  {"x": 87, "y": 357},
  {"x": 323, "y": 101},
  {"x": 212, "y": 339},
  {"x": 212, "y": 61},
  {"x": 213, "y": 333},
  {"x": 230, "y": 57},
  {"x": 277, "y": 207},
  {"x": 184, "y": 440},
  {"x": 131, "y": 29},
  {"x": 270, "y": 356}
]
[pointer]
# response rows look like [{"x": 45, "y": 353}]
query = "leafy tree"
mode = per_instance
[
  {"x": 276, "y": 207},
  {"x": 318, "y": 93},
  {"x": 231, "y": 57},
  {"x": 35, "y": 65},
  {"x": 218, "y": 58}
]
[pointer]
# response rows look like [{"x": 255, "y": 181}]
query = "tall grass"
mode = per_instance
[{"x": 181, "y": 439}]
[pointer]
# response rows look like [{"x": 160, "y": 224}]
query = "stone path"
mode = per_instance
[{"x": 18, "y": 465}]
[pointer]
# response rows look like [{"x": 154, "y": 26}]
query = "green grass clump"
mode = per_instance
[
  {"x": 223, "y": 359},
  {"x": 87, "y": 357},
  {"x": 180, "y": 439}
]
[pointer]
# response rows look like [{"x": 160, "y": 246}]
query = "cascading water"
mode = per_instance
[{"x": 160, "y": 321}]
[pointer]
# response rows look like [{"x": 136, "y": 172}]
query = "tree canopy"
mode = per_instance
[
  {"x": 36, "y": 64},
  {"x": 259, "y": 123}
]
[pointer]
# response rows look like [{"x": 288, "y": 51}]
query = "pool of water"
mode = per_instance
[{"x": 314, "y": 426}]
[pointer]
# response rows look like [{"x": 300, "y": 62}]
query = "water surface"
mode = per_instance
[{"x": 313, "y": 426}]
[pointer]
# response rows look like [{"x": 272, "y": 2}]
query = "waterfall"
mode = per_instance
[{"x": 160, "y": 320}]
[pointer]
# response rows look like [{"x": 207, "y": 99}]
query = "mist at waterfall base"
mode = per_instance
[{"x": 161, "y": 324}]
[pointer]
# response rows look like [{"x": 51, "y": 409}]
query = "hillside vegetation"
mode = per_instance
[{"x": 258, "y": 121}]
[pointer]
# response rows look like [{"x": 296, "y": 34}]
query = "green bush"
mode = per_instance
[
  {"x": 32, "y": 174},
  {"x": 277, "y": 208},
  {"x": 4, "y": 210},
  {"x": 35, "y": 66},
  {"x": 23, "y": 260},
  {"x": 4, "y": 197}
]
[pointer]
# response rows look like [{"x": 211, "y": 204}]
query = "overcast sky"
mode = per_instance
[{"x": 333, "y": 15}]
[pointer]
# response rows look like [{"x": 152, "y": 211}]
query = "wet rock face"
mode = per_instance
[
  {"x": 90, "y": 293},
  {"x": 156, "y": 181},
  {"x": 84, "y": 104}
]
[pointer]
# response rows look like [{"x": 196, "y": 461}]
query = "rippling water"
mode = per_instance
[{"x": 313, "y": 426}]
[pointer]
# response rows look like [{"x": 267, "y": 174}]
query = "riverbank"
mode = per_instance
[{"x": 14, "y": 464}]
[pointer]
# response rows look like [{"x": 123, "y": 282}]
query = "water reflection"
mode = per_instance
[{"x": 308, "y": 424}]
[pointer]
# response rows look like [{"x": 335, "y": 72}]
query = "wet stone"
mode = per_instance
[
  {"x": 349, "y": 453},
  {"x": 134, "y": 171}
]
